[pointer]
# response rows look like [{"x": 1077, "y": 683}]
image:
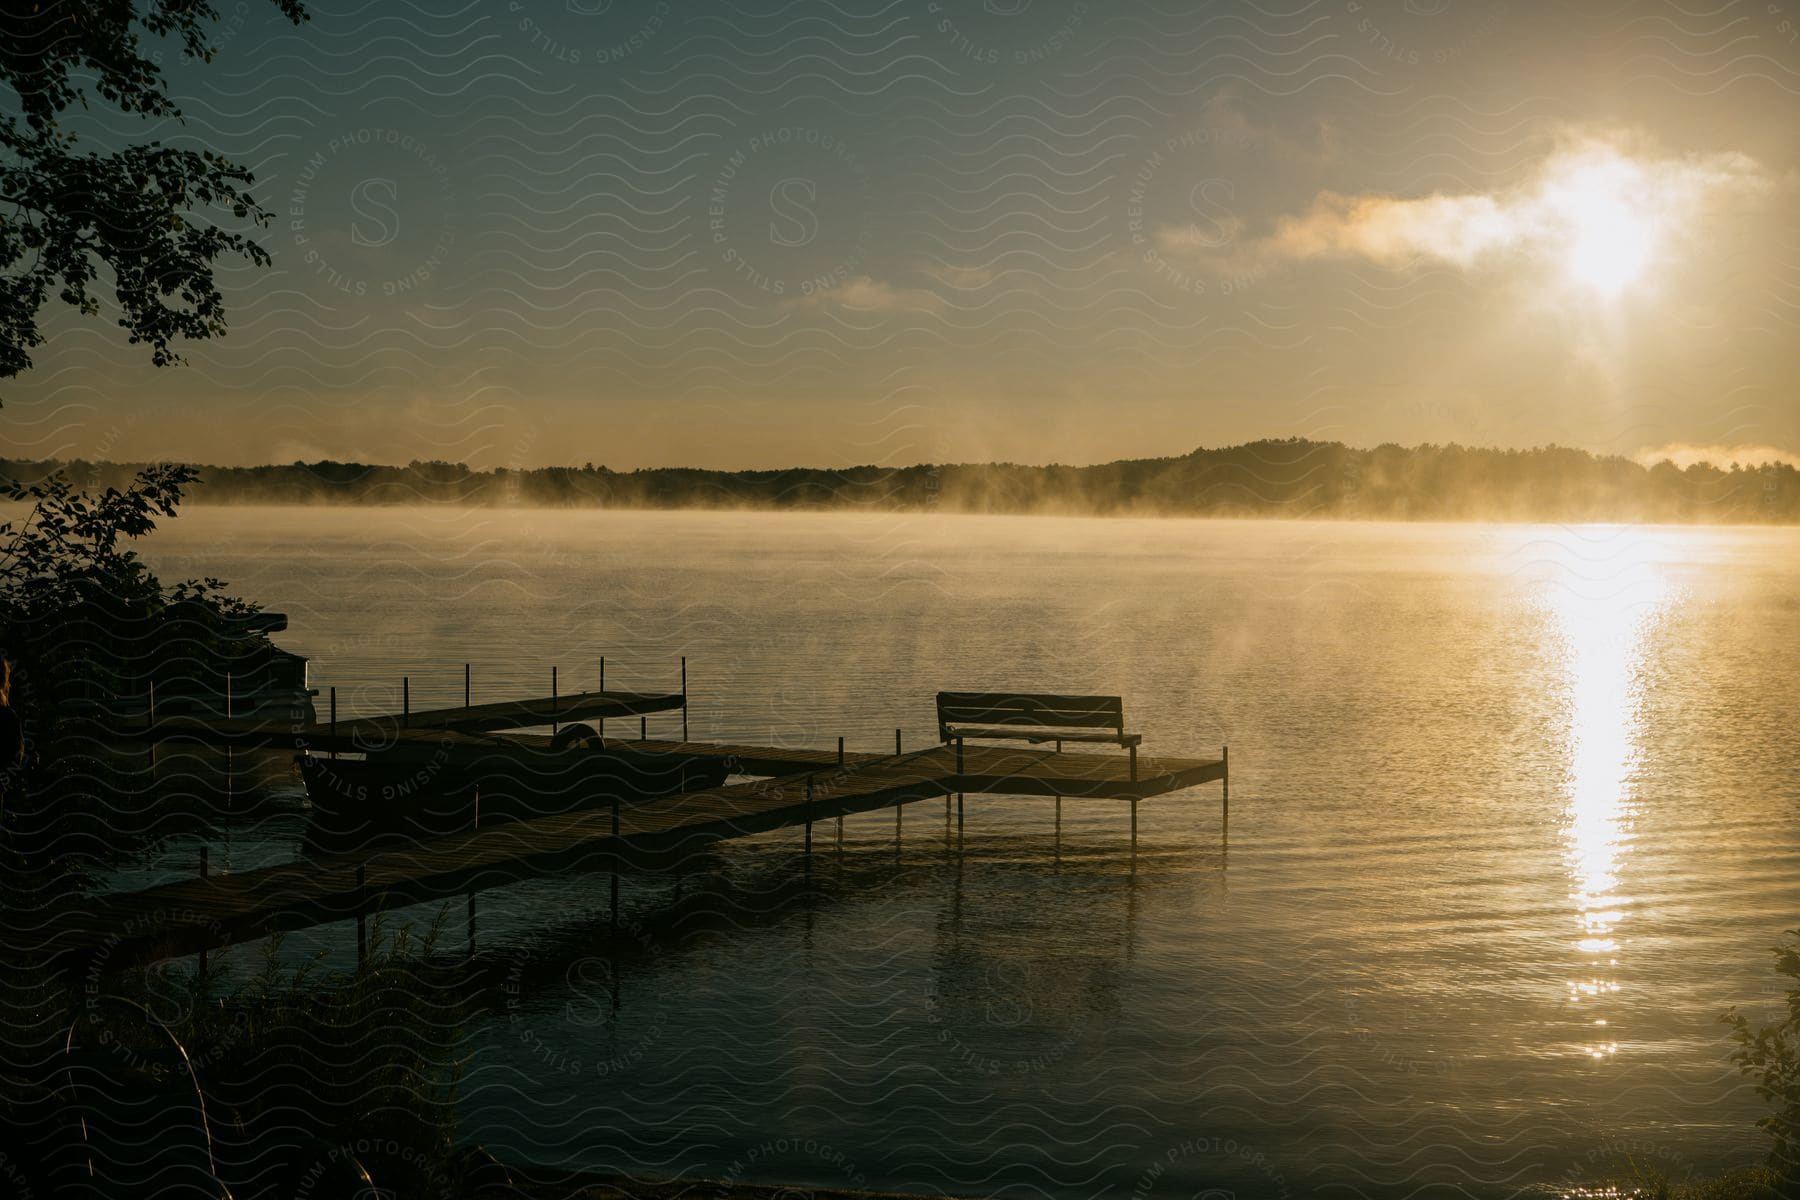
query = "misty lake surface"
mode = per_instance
[{"x": 1515, "y": 815}]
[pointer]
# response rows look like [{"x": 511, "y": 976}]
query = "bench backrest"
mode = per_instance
[{"x": 1026, "y": 709}]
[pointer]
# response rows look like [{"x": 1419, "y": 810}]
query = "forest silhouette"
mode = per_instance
[{"x": 1275, "y": 478}]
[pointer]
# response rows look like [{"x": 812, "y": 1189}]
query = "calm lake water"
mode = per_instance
[{"x": 1515, "y": 815}]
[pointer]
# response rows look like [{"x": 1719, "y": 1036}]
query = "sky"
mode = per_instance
[{"x": 788, "y": 232}]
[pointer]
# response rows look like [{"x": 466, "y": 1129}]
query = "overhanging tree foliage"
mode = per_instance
[{"x": 67, "y": 211}]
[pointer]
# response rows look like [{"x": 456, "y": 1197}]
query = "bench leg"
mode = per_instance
[
  {"x": 1133, "y": 764},
  {"x": 959, "y": 756}
]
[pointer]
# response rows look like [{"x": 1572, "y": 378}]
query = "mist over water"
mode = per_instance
[{"x": 1513, "y": 820}]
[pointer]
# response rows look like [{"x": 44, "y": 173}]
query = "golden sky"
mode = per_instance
[{"x": 638, "y": 233}]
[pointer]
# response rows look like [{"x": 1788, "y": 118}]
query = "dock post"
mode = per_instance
[
  {"x": 405, "y": 701},
  {"x": 362, "y": 928},
  {"x": 643, "y": 728},
  {"x": 959, "y": 810},
  {"x": 684, "y": 732},
  {"x": 1224, "y": 797},
  {"x": 809, "y": 816},
  {"x": 615, "y": 862},
  {"x": 896, "y": 743},
  {"x": 553, "y": 700},
  {"x": 603, "y": 689},
  {"x": 204, "y": 872},
  {"x": 334, "y": 723},
  {"x": 840, "y": 751},
  {"x": 465, "y": 685},
  {"x": 474, "y": 823},
  {"x": 230, "y": 757},
  {"x": 1134, "y": 835}
]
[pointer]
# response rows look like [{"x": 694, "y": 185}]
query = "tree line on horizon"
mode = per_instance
[{"x": 1290, "y": 477}]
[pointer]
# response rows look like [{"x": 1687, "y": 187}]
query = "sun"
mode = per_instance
[{"x": 1600, "y": 208}]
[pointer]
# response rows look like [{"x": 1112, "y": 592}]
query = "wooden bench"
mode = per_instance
[{"x": 1034, "y": 718}]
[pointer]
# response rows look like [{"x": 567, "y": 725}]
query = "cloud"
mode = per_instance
[
  {"x": 1593, "y": 204},
  {"x": 1686, "y": 454},
  {"x": 862, "y": 293}
]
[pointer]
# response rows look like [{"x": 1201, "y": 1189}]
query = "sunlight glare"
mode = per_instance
[
  {"x": 1602, "y": 627},
  {"x": 1610, "y": 234}
]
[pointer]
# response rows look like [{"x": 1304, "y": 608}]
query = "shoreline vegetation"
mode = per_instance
[{"x": 1277, "y": 478}]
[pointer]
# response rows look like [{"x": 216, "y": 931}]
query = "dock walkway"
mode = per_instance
[{"x": 129, "y": 929}]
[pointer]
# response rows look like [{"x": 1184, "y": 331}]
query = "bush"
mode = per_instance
[{"x": 1770, "y": 1055}]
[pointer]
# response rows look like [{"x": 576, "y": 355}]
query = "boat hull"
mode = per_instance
[{"x": 415, "y": 794}]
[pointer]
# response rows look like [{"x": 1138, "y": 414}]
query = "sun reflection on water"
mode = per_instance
[{"x": 1603, "y": 605}]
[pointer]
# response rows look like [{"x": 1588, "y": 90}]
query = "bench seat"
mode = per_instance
[
  {"x": 1046, "y": 735},
  {"x": 1034, "y": 717}
]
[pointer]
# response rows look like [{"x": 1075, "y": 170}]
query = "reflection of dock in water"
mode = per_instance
[
  {"x": 1017, "y": 987},
  {"x": 804, "y": 787}
]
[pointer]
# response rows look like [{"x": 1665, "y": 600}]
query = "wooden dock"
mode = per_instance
[
  {"x": 122, "y": 930},
  {"x": 357, "y": 734}
]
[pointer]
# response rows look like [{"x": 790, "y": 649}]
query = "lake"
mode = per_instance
[{"x": 1514, "y": 818}]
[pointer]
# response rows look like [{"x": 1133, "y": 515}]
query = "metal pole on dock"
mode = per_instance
[
  {"x": 896, "y": 743},
  {"x": 230, "y": 774},
  {"x": 334, "y": 723},
  {"x": 553, "y": 700},
  {"x": 405, "y": 701},
  {"x": 362, "y": 929},
  {"x": 603, "y": 688},
  {"x": 1225, "y": 790},
  {"x": 474, "y": 825},
  {"x": 840, "y": 752},
  {"x": 230, "y": 759},
  {"x": 1134, "y": 835},
  {"x": 643, "y": 728},
  {"x": 465, "y": 685},
  {"x": 684, "y": 731}
]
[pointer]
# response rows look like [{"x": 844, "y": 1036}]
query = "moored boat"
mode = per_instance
[{"x": 426, "y": 789}]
